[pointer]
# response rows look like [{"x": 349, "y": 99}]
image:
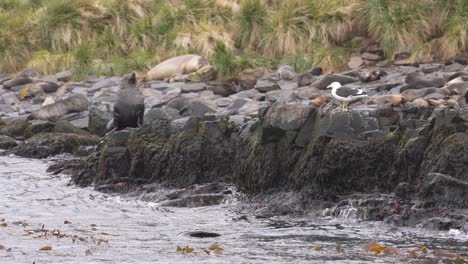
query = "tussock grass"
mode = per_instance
[{"x": 116, "y": 36}]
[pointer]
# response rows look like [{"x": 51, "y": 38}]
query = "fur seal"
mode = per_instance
[
  {"x": 456, "y": 75},
  {"x": 184, "y": 64},
  {"x": 420, "y": 102},
  {"x": 372, "y": 76},
  {"x": 130, "y": 106},
  {"x": 319, "y": 101},
  {"x": 412, "y": 94},
  {"x": 417, "y": 80},
  {"x": 72, "y": 104},
  {"x": 308, "y": 77},
  {"x": 16, "y": 82}
]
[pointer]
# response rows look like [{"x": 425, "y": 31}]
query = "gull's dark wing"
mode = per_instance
[{"x": 347, "y": 92}]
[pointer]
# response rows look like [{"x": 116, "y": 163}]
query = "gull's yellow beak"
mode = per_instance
[{"x": 329, "y": 87}]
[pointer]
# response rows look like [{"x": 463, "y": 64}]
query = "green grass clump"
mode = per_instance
[{"x": 117, "y": 36}]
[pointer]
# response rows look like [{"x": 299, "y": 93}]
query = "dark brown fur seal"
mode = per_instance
[{"x": 130, "y": 107}]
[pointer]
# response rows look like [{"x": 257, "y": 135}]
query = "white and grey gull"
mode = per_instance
[{"x": 346, "y": 94}]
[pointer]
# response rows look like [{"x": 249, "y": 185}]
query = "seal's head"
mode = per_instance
[{"x": 129, "y": 81}]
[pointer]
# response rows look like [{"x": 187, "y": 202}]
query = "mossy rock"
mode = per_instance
[
  {"x": 7, "y": 142},
  {"x": 53, "y": 127},
  {"x": 50, "y": 144},
  {"x": 15, "y": 129}
]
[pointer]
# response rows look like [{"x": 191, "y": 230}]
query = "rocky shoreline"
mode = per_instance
[{"x": 400, "y": 157}]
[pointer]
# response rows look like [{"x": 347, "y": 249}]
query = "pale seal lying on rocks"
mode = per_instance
[{"x": 184, "y": 64}]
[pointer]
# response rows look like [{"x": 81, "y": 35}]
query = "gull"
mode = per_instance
[{"x": 346, "y": 94}]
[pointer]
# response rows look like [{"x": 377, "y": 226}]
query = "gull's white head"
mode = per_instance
[{"x": 334, "y": 85}]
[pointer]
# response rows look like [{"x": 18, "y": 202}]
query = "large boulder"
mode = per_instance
[
  {"x": 50, "y": 144},
  {"x": 440, "y": 190},
  {"x": 98, "y": 120},
  {"x": 7, "y": 142},
  {"x": 15, "y": 128}
]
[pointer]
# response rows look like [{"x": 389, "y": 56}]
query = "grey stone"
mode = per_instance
[
  {"x": 98, "y": 120},
  {"x": 287, "y": 116},
  {"x": 80, "y": 90},
  {"x": 355, "y": 62},
  {"x": 279, "y": 96},
  {"x": 64, "y": 76},
  {"x": 223, "y": 102},
  {"x": 193, "y": 87},
  {"x": 371, "y": 56},
  {"x": 165, "y": 113},
  {"x": 264, "y": 86},
  {"x": 160, "y": 86},
  {"x": 199, "y": 108},
  {"x": 108, "y": 82},
  {"x": 440, "y": 190}
]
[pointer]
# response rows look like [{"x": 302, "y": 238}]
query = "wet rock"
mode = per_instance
[
  {"x": 7, "y": 142},
  {"x": 195, "y": 201},
  {"x": 15, "y": 128},
  {"x": 327, "y": 80},
  {"x": 50, "y": 144},
  {"x": 265, "y": 86},
  {"x": 53, "y": 127},
  {"x": 404, "y": 191},
  {"x": 386, "y": 116},
  {"x": 98, "y": 120},
  {"x": 440, "y": 190},
  {"x": 287, "y": 117}
]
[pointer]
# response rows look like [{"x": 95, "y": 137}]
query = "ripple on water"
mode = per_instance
[{"x": 103, "y": 228}]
